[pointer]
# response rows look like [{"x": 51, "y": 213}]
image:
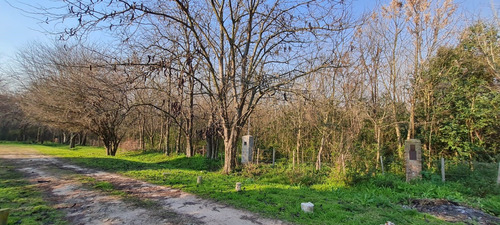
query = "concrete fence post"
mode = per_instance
[
  {"x": 498, "y": 175},
  {"x": 274, "y": 156},
  {"x": 442, "y": 170},
  {"x": 382, "y": 165}
]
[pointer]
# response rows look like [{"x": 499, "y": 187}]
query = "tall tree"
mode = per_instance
[
  {"x": 464, "y": 99},
  {"x": 69, "y": 88},
  {"x": 247, "y": 48}
]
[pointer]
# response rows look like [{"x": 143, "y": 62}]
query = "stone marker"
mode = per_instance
[
  {"x": 413, "y": 156},
  {"x": 199, "y": 180},
  {"x": 4, "y": 214},
  {"x": 246, "y": 149},
  {"x": 307, "y": 207},
  {"x": 238, "y": 186}
]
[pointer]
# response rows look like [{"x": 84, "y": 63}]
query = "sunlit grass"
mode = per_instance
[
  {"x": 24, "y": 201},
  {"x": 273, "y": 193}
]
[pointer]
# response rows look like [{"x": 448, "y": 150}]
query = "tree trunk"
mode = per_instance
[
  {"x": 378, "y": 133},
  {"x": 216, "y": 144},
  {"x": 318, "y": 160},
  {"x": 179, "y": 137},
  {"x": 39, "y": 134},
  {"x": 411, "y": 124},
  {"x": 167, "y": 137},
  {"x": 111, "y": 144},
  {"x": 209, "y": 138},
  {"x": 72, "y": 138},
  {"x": 65, "y": 138},
  {"x": 152, "y": 139},
  {"x": 231, "y": 133},
  {"x": 160, "y": 140},
  {"x": 83, "y": 139},
  {"x": 297, "y": 149},
  {"x": 190, "y": 115},
  {"x": 189, "y": 146},
  {"x": 397, "y": 129},
  {"x": 141, "y": 134},
  {"x": 61, "y": 137},
  {"x": 209, "y": 147}
]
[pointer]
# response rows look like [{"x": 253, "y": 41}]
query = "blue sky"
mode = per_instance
[{"x": 17, "y": 29}]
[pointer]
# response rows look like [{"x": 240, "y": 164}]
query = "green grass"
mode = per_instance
[
  {"x": 26, "y": 203},
  {"x": 277, "y": 192}
]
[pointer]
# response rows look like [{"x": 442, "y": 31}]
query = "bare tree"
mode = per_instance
[
  {"x": 247, "y": 48},
  {"x": 69, "y": 88}
]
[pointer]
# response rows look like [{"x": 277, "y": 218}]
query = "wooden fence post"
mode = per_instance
[
  {"x": 442, "y": 170},
  {"x": 4, "y": 215}
]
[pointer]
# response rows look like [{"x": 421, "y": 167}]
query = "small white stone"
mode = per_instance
[
  {"x": 307, "y": 207},
  {"x": 238, "y": 186},
  {"x": 388, "y": 223}
]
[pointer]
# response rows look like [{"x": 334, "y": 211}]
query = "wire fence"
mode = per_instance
[
  {"x": 451, "y": 170},
  {"x": 448, "y": 170},
  {"x": 265, "y": 156}
]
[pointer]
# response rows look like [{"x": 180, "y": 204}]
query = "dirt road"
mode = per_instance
[{"x": 152, "y": 204}]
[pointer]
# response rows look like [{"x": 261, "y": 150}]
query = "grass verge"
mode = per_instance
[
  {"x": 24, "y": 201},
  {"x": 277, "y": 192}
]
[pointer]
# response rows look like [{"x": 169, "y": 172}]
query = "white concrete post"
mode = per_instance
[
  {"x": 443, "y": 178},
  {"x": 498, "y": 176}
]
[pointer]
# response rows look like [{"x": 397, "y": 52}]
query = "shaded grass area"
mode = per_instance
[
  {"x": 24, "y": 201},
  {"x": 277, "y": 192}
]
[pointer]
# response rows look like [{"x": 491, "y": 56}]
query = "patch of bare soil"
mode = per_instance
[
  {"x": 453, "y": 212},
  {"x": 84, "y": 205}
]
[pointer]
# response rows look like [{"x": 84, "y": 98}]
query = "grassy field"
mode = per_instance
[
  {"x": 277, "y": 192},
  {"x": 26, "y": 203}
]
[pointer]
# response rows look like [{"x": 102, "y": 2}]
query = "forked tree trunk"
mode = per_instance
[{"x": 111, "y": 144}]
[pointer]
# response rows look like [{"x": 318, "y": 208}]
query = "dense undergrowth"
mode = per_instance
[{"x": 278, "y": 191}]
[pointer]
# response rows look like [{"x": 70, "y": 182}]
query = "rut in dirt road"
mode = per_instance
[{"x": 62, "y": 183}]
